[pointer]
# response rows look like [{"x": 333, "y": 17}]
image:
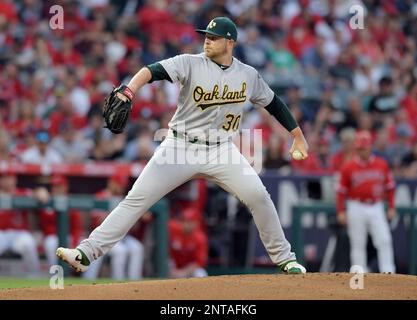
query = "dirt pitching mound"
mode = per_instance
[{"x": 317, "y": 286}]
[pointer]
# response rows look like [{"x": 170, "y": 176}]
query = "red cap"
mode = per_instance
[
  {"x": 191, "y": 214},
  {"x": 363, "y": 140},
  {"x": 120, "y": 179},
  {"x": 59, "y": 180}
]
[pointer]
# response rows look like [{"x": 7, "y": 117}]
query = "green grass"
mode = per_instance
[{"x": 11, "y": 282}]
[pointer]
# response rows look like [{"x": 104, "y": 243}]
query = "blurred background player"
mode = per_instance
[
  {"x": 365, "y": 182},
  {"x": 127, "y": 256},
  {"x": 15, "y": 235},
  {"x": 48, "y": 221},
  {"x": 41, "y": 152},
  {"x": 346, "y": 151},
  {"x": 187, "y": 245}
]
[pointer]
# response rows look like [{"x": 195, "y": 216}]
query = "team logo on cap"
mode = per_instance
[{"x": 212, "y": 24}]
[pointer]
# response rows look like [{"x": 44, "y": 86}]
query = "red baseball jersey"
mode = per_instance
[
  {"x": 367, "y": 181},
  {"x": 47, "y": 217},
  {"x": 339, "y": 159},
  {"x": 187, "y": 248},
  {"x": 13, "y": 218}
]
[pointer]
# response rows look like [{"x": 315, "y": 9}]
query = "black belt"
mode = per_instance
[{"x": 195, "y": 140}]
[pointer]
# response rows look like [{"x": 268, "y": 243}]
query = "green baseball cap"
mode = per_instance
[{"x": 221, "y": 27}]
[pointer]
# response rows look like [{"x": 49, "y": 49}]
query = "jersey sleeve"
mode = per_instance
[
  {"x": 201, "y": 253},
  {"x": 389, "y": 186},
  {"x": 389, "y": 178},
  {"x": 344, "y": 180},
  {"x": 342, "y": 189},
  {"x": 75, "y": 226},
  {"x": 261, "y": 95},
  {"x": 178, "y": 67}
]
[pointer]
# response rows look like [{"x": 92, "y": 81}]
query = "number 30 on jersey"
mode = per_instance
[{"x": 232, "y": 122}]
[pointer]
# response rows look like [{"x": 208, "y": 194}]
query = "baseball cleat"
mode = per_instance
[
  {"x": 74, "y": 258},
  {"x": 292, "y": 267}
]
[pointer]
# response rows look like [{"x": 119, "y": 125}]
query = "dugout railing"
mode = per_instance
[
  {"x": 329, "y": 209},
  {"x": 88, "y": 203}
]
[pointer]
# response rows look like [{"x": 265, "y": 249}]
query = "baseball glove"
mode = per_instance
[{"x": 117, "y": 107}]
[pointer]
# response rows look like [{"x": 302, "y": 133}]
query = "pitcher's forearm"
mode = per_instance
[
  {"x": 141, "y": 78},
  {"x": 282, "y": 113},
  {"x": 297, "y": 133}
]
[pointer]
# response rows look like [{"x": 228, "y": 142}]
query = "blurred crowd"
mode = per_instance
[
  {"x": 32, "y": 233},
  {"x": 334, "y": 78}
]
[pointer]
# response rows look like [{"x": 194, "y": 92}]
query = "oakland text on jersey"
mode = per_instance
[{"x": 225, "y": 97}]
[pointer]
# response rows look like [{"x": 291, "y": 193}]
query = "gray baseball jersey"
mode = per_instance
[{"x": 212, "y": 98}]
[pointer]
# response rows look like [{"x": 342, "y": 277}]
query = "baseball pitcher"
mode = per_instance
[{"x": 214, "y": 86}]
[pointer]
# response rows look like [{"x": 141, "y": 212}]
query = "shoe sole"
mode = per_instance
[
  {"x": 61, "y": 256},
  {"x": 288, "y": 273}
]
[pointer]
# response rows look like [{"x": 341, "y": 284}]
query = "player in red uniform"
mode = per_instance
[
  {"x": 365, "y": 182},
  {"x": 188, "y": 245},
  {"x": 48, "y": 221},
  {"x": 15, "y": 233}
]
